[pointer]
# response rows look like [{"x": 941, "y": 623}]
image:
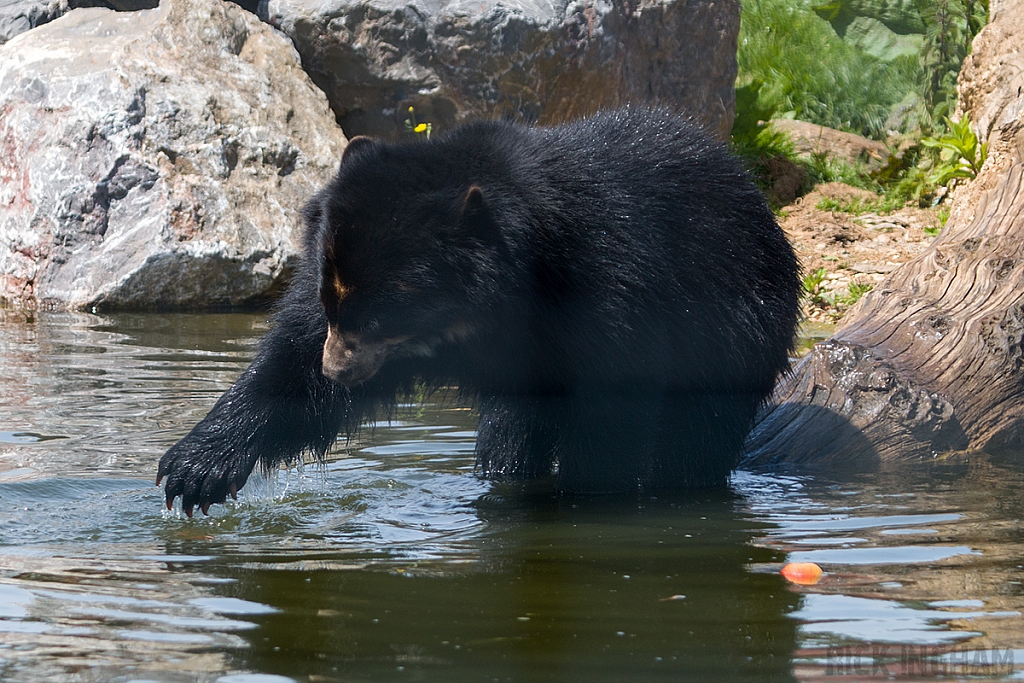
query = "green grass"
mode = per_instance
[
  {"x": 859, "y": 207},
  {"x": 802, "y": 68},
  {"x": 810, "y": 73},
  {"x": 910, "y": 179},
  {"x": 837, "y": 303},
  {"x": 825, "y": 169},
  {"x": 793, "y": 64}
]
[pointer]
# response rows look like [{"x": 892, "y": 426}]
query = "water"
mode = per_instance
[{"x": 393, "y": 562}]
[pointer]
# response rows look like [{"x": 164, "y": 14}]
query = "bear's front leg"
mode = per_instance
[
  {"x": 517, "y": 437},
  {"x": 608, "y": 435},
  {"x": 281, "y": 406}
]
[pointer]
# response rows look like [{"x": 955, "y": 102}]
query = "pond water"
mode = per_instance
[{"x": 393, "y": 562}]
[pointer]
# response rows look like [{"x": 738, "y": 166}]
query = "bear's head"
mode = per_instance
[{"x": 408, "y": 255}]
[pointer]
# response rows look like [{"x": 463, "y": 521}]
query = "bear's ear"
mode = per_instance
[
  {"x": 354, "y": 145},
  {"x": 473, "y": 203},
  {"x": 475, "y": 218}
]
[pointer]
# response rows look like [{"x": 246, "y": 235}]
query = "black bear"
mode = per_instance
[{"x": 613, "y": 293}]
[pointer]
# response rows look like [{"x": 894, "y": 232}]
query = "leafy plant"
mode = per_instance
[
  {"x": 751, "y": 117},
  {"x": 943, "y": 215},
  {"x": 914, "y": 187},
  {"x": 960, "y": 155},
  {"x": 856, "y": 292},
  {"x": 812, "y": 286},
  {"x": 422, "y": 130},
  {"x": 794, "y": 64},
  {"x": 950, "y": 27},
  {"x": 835, "y": 303},
  {"x": 905, "y": 179},
  {"x": 840, "y": 303},
  {"x": 813, "y": 280}
]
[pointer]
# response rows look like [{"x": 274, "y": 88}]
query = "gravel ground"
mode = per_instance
[{"x": 855, "y": 251}]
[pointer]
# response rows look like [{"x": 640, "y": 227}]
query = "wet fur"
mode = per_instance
[{"x": 614, "y": 295}]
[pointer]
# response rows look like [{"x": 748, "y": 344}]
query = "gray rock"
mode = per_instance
[
  {"x": 18, "y": 16},
  {"x": 155, "y": 159},
  {"x": 534, "y": 60}
]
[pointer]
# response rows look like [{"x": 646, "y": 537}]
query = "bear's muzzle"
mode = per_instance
[{"x": 350, "y": 359}]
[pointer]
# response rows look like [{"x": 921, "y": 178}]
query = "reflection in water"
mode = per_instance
[
  {"x": 394, "y": 561},
  {"x": 95, "y": 611},
  {"x": 551, "y": 591},
  {"x": 924, "y": 575}
]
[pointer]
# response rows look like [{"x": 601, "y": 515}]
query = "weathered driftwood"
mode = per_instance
[{"x": 932, "y": 360}]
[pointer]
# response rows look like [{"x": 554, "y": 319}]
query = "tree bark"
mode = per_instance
[{"x": 931, "y": 360}]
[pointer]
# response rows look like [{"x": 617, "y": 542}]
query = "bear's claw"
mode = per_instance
[{"x": 200, "y": 474}]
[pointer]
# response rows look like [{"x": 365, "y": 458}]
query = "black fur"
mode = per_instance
[{"x": 614, "y": 292}]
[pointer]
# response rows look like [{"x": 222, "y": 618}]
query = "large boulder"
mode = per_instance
[
  {"x": 534, "y": 60},
  {"x": 155, "y": 159},
  {"x": 18, "y": 16}
]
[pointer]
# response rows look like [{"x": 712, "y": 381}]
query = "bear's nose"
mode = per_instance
[
  {"x": 339, "y": 352},
  {"x": 351, "y": 359}
]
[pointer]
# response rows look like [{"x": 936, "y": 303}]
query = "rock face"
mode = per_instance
[
  {"x": 932, "y": 359},
  {"x": 18, "y": 16},
  {"x": 155, "y": 159},
  {"x": 534, "y": 60}
]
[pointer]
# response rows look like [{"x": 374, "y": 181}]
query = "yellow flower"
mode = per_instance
[{"x": 422, "y": 128}]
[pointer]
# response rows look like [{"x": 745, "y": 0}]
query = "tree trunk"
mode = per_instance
[{"x": 931, "y": 360}]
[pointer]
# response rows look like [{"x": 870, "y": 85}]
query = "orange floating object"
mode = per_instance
[{"x": 802, "y": 573}]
